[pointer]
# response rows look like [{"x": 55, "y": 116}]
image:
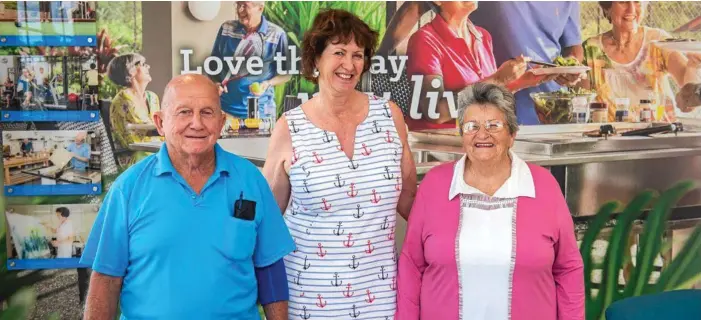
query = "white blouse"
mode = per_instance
[{"x": 485, "y": 245}]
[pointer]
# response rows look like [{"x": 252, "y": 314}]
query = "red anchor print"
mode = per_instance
[
  {"x": 393, "y": 286},
  {"x": 370, "y": 248},
  {"x": 375, "y": 198},
  {"x": 398, "y": 186},
  {"x": 326, "y": 205},
  {"x": 389, "y": 139},
  {"x": 390, "y": 236},
  {"x": 370, "y": 299},
  {"x": 301, "y": 294},
  {"x": 317, "y": 159},
  {"x": 322, "y": 252},
  {"x": 321, "y": 303},
  {"x": 366, "y": 151},
  {"x": 348, "y": 243},
  {"x": 295, "y": 156},
  {"x": 352, "y": 193},
  {"x": 348, "y": 292}
]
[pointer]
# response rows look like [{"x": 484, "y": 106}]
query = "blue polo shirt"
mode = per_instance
[
  {"x": 84, "y": 151},
  {"x": 539, "y": 30},
  {"x": 184, "y": 255},
  {"x": 232, "y": 34}
]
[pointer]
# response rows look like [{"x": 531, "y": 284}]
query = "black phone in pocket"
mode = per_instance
[{"x": 244, "y": 209}]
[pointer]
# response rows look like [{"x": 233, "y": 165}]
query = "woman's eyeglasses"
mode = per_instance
[{"x": 491, "y": 126}]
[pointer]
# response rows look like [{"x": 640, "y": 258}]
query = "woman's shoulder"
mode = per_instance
[
  {"x": 654, "y": 34},
  {"x": 482, "y": 31},
  {"x": 152, "y": 95},
  {"x": 593, "y": 41},
  {"x": 543, "y": 178},
  {"x": 442, "y": 173},
  {"x": 425, "y": 33}
]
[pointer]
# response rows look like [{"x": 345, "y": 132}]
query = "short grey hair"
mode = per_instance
[{"x": 488, "y": 94}]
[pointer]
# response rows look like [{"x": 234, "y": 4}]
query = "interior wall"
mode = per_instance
[
  {"x": 157, "y": 42},
  {"x": 196, "y": 35}
]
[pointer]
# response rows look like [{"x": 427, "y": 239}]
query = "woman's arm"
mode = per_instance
[
  {"x": 118, "y": 121},
  {"x": 401, "y": 24},
  {"x": 412, "y": 264},
  {"x": 568, "y": 268},
  {"x": 277, "y": 164},
  {"x": 406, "y": 197}
]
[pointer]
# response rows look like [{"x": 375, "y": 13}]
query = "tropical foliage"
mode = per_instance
[
  {"x": 297, "y": 17},
  {"x": 680, "y": 273}
]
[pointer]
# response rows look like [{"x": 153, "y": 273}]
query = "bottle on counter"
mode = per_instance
[
  {"x": 599, "y": 112},
  {"x": 580, "y": 110},
  {"x": 645, "y": 110},
  {"x": 622, "y": 106}
]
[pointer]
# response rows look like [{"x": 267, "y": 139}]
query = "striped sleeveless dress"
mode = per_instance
[{"x": 342, "y": 217}]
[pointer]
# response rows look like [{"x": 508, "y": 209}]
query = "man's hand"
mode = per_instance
[
  {"x": 258, "y": 88},
  {"x": 222, "y": 87}
]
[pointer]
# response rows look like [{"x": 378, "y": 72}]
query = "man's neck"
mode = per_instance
[
  {"x": 190, "y": 167},
  {"x": 255, "y": 25}
]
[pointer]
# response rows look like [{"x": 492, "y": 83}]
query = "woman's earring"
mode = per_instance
[{"x": 316, "y": 73}]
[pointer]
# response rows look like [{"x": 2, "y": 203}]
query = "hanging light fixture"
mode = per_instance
[{"x": 204, "y": 10}]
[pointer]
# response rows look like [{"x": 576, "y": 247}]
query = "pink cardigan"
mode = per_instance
[{"x": 548, "y": 278}]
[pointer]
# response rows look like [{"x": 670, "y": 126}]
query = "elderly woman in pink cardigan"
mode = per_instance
[{"x": 489, "y": 236}]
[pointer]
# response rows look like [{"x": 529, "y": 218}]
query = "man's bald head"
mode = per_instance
[
  {"x": 80, "y": 137},
  {"x": 188, "y": 83}
]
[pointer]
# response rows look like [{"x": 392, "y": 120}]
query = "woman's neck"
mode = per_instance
[
  {"x": 139, "y": 90},
  {"x": 622, "y": 39},
  {"x": 455, "y": 20},
  {"x": 336, "y": 105},
  {"x": 487, "y": 176}
]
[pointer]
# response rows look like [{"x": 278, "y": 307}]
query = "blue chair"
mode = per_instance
[{"x": 673, "y": 305}]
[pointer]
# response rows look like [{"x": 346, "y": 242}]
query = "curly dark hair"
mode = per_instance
[{"x": 336, "y": 26}]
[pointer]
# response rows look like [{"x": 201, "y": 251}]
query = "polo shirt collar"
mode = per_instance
[
  {"x": 446, "y": 33},
  {"x": 519, "y": 184},
  {"x": 164, "y": 165}
]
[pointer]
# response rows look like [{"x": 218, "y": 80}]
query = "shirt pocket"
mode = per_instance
[{"x": 238, "y": 240}]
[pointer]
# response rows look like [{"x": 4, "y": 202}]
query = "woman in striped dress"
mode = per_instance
[{"x": 340, "y": 168}]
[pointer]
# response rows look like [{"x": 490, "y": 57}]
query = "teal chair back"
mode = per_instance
[{"x": 673, "y": 305}]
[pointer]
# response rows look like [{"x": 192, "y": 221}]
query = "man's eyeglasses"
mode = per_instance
[{"x": 491, "y": 126}]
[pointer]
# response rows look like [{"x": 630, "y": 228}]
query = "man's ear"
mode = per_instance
[{"x": 158, "y": 121}]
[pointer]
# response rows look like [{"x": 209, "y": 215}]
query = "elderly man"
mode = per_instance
[
  {"x": 192, "y": 232},
  {"x": 80, "y": 151},
  {"x": 252, "y": 35}
]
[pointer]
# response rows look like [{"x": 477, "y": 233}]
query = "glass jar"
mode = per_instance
[
  {"x": 622, "y": 105},
  {"x": 599, "y": 112},
  {"x": 580, "y": 110},
  {"x": 646, "y": 111}
]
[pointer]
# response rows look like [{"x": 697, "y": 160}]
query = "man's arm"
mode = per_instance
[
  {"x": 107, "y": 254},
  {"x": 103, "y": 297}
]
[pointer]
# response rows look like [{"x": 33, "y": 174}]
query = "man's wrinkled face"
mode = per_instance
[
  {"x": 248, "y": 11},
  {"x": 192, "y": 120}
]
